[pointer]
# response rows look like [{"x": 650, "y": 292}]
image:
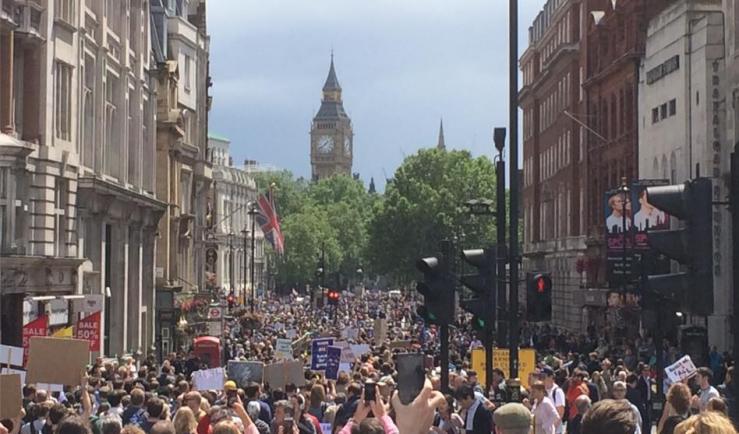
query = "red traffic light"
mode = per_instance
[
  {"x": 540, "y": 285},
  {"x": 333, "y": 296}
]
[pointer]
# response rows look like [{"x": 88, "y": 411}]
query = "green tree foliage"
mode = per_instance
[
  {"x": 424, "y": 204},
  {"x": 332, "y": 214}
]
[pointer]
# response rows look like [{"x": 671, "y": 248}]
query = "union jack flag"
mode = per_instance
[{"x": 270, "y": 222}]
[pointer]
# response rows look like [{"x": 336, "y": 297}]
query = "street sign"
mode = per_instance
[{"x": 215, "y": 312}]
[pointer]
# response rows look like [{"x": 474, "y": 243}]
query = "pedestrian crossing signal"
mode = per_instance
[
  {"x": 538, "y": 297},
  {"x": 333, "y": 297}
]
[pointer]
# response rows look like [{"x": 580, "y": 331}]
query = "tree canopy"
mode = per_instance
[{"x": 422, "y": 205}]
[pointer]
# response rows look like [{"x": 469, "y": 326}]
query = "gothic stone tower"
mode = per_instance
[{"x": 331, "y": 133}]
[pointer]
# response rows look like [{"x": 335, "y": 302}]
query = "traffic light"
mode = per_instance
[
  {"x": 692, "y": 246},
  {"x": 538, "y": 297},
  {"x": 437, "y": 289},
  {"x": 333, "y": 297},
  {"x": 482, "y": 284}
]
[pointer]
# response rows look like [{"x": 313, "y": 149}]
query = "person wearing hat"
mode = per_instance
[{"x": 512, "y": 418}]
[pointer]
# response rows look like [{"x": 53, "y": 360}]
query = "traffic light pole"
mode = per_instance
[
  {"x": 735, "y": 259},
  {"x": 446, "y": 253},
  {"x": 500, "y": 226},
  {"x": 513, "y": 162}
]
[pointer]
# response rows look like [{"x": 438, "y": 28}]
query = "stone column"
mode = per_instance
[
  {"x": 133, "y": 299},
  {"x": 118, "y": 289},
  {"x": 7, "y": 125},
  {"x": 148, "y": 242}
]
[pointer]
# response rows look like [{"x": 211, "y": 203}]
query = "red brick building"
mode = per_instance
[{"x": 579, "y": 103}]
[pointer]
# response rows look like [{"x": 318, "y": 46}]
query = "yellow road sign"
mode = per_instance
[{"x": 526, "y": 363}]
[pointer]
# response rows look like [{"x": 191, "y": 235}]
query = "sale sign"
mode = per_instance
[
  {"x": 88, "y": 328},
  {"x": 37, "y": 327}
]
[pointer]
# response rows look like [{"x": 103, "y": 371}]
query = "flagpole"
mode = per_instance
[{"x": 253, "y": 214}]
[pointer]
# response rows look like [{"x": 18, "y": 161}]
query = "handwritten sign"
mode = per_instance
[
  {"x": 333, "y": 360},
  {"x": 284, "y": 349},
  {"x": 244, "y": 373},
  {"x": 680, "y": 370},
  {"x": 319, "y": 353},
  {"x": 208, "y": 379}
]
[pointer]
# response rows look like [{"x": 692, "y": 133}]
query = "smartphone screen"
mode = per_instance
[
  {"x": 287, "y": 425},
  {"x": 370, "y": 390},
  {"x": 411, "y": 376}
]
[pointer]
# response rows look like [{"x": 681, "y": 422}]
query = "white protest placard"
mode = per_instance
[
  {"x": 208, "y": 379},
  {"x": 360, "y": 350},
  {"x": 325, "y": 428},
  {"x": 680, "y": 370},
  {"x": 291, "y": 333},
  {"x": 50, "y": 387},
  {"x": 284, "y": 349},
  {"x": 11, "y": 355}
]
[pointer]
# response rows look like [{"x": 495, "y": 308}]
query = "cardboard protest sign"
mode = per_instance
[
  {"x": 69, "y": 356},
  {"x": 284, "y": 349},
  {"x": 380, "y": 330},
  {"x": 278, "y": 375},
  {"x": 208, "y": 379},
  {"x": 12, "y": 356},
  {"x": 244, "y": 372},
  {"x": 680, "y": 370},
  {"x": 319, "y": 353},
  {"x": 10, "y": 396},
  {"x": 15, "y": 371},
  {"x": 333, "y": 359},
  {"x": 400, "y": 344}
]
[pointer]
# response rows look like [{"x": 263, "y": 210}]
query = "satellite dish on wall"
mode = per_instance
[{"x": 598, "y": 16}]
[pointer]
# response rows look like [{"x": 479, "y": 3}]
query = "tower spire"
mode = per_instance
[
  {"x": 332, "y": 83},
  {"x": 441, "y": 145}
]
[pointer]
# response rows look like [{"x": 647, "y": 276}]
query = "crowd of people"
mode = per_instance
[{"x": 582, "y": 384}]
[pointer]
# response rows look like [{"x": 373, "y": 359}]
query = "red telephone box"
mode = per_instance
[{"x": 208, "y": 349}]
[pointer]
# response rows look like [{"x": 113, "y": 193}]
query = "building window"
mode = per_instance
[
  {"x": 187, "y": 73},
  {"x": 64, "y": 10},
  {"x": 655, "y": 115},
  {"x": 88, "y": 113},
  {"x": 60, "y": 206},
  {"x": 672, "y": 107},
  {"x": 663, "y": 111},
  {"x": 185, "y": 193},
  {"x": 112, "y": 128},
  {"x": 63, "y": 100}
]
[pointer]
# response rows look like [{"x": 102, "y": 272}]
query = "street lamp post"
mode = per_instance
[
  {"x": 245, "y": 233},
  {"x": 231, "y": 262},
  {"x": 624, "y": 190},
  {"x": 252, "y": 214}
]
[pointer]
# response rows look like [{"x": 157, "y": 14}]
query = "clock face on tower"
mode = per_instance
[
  {"x": 325, "y": 144},
  {"x": 347, "y": 145}
]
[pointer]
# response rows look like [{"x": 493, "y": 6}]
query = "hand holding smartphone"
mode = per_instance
[{"x": 411, "y": 376}]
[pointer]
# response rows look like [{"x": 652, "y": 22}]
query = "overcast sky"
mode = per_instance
[{"x": 402, "y": 64}]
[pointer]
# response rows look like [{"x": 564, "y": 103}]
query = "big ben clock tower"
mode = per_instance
[{"x": 331, "y": 137}]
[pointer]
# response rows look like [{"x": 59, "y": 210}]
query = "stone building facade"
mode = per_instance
[
  {"x": 83, "y": 84},
  {"x": 180, "y": 47},
  {"x": 580, "y": 107},
  {"x": 682, "y": 123},
  {"x": 554, "y": 160},
  {"x": 39, "y": 249},
  {"x": 234, "y": 191},
  {"x": 331, "y": 135}
]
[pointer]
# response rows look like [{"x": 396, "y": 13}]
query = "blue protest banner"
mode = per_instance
[
  {"x": 319, "y": 353},
  {"x": 333, "y": 360}
]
